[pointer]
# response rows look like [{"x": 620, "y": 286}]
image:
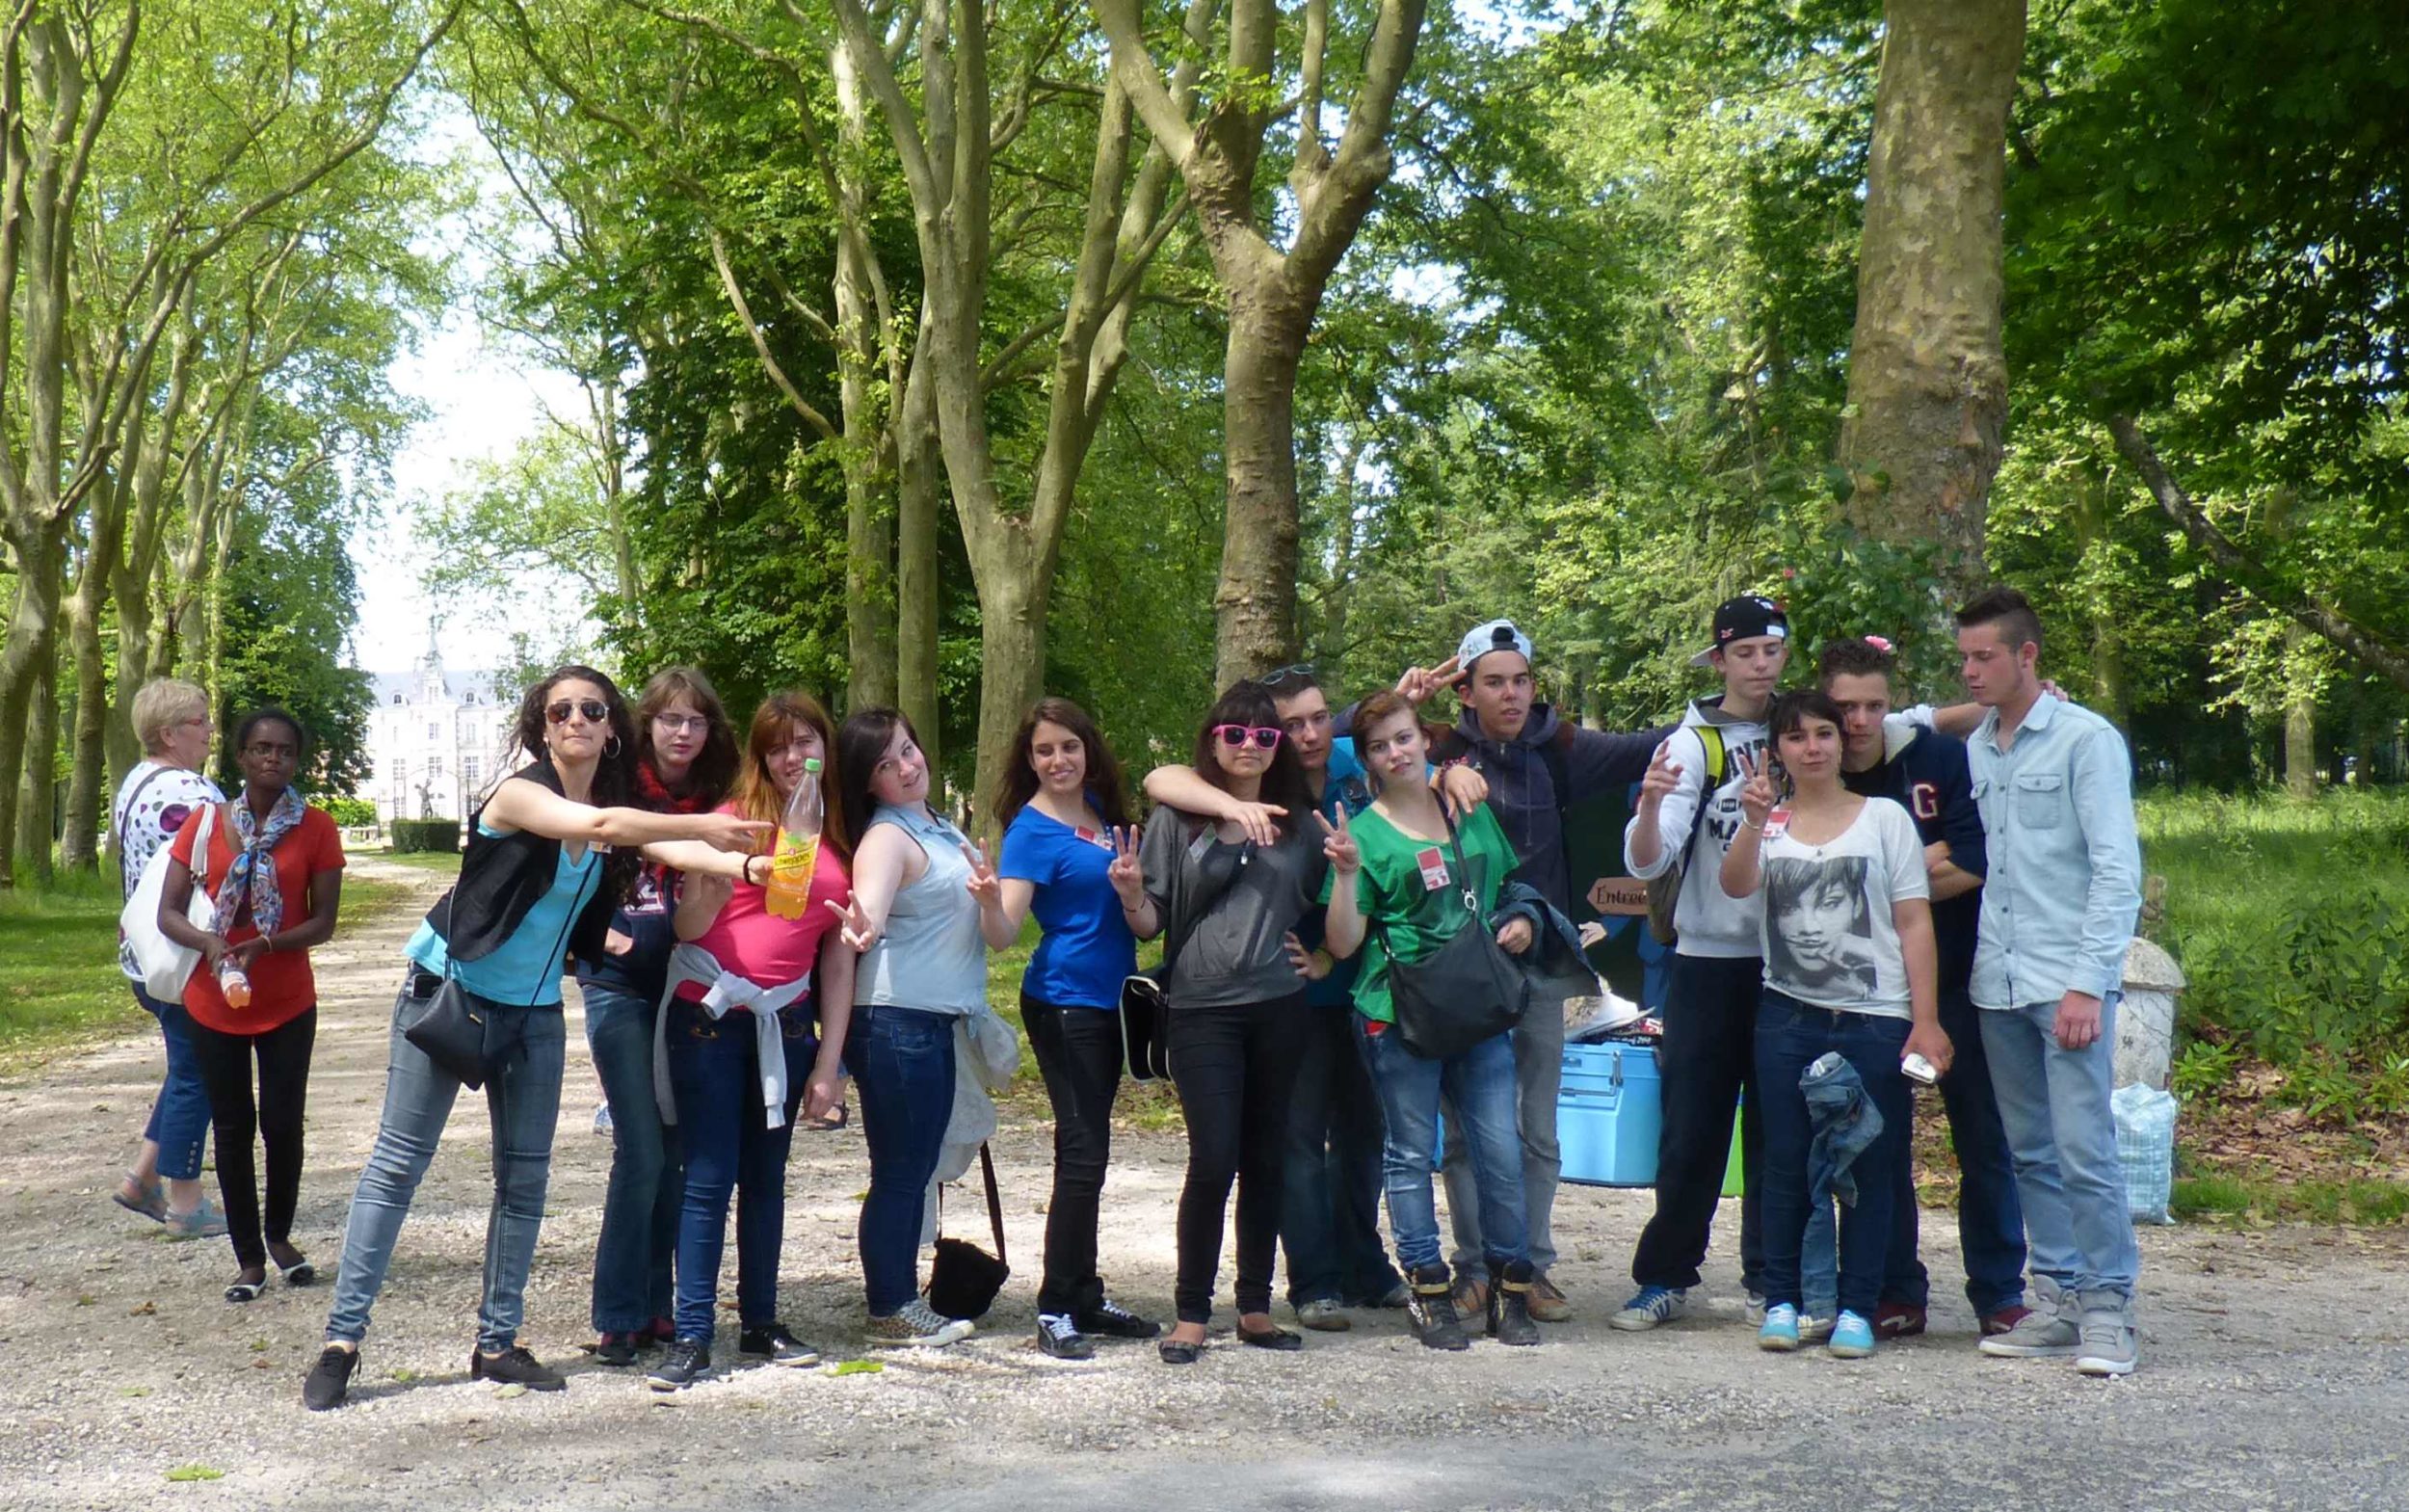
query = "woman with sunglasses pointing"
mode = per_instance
[
  {"x": 1227, "y": 905},
  {"x": 552, "y": 853}
]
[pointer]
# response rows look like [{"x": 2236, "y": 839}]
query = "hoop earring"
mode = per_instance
[{"x": 611, "y": 749}]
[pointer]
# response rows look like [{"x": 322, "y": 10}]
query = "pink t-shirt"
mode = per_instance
[{"x": 767, "y": 950}]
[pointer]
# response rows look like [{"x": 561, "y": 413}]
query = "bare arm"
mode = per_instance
[
  {"x": 1342, "y": 926},
  {"x": 1912, "y": 917},
  {"x": 1179, "y": 788},
  {"x": 325, "y": 899},
  {"x": 699, "y": 900},
  {"x": 521, "y": 805},
  {"x": 1741, "y": 869},
  {"x": 877, "y": 874},
  {"x": 826, "y": 1087},
  {"x": 694, "y": 858},
  {"x": 1949, "y": 879}
]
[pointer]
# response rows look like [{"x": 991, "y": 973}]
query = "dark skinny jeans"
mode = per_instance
[
  {"x": 1235, "y": 1069},
  {"x": 224, "y": 1062},
  {"x": 1078, "y": 1053}
]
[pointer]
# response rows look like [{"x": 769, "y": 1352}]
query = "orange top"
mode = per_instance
[{"x": 281, "y": 985}]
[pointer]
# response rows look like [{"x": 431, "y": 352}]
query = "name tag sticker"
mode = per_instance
[
  {"x": 1433, "y": 862},
  {"x": 1092, "y": 838},
  {"x": 1778, "y": 823}
]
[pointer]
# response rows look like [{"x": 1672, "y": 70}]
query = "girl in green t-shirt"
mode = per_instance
[{"x": 1397, "y": 882}]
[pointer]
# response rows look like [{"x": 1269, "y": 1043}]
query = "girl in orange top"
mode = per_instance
[{"x": 274, "y": 867}]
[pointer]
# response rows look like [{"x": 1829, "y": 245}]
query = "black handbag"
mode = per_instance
[
  {"x": 451, "y": 1030},
  {"x": 964, "y": 1278},
  {"x": 1146, "y": 1024},
  {"x": 1461, "y": 993}
]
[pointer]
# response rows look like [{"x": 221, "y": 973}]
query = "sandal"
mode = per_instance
[
  {"x": 203, "y": 1222},
  {"x": 153, "y": 1203}
]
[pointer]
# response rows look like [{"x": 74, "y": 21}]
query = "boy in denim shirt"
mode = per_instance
[{"x": 2053, "y": 781}]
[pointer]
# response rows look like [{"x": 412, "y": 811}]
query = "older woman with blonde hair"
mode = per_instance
[{"x": 165, "y": 788}]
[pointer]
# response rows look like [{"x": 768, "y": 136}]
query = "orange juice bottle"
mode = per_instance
[
  {"x": 236, "y": 985},
  {"x": 798, "y": 851}
]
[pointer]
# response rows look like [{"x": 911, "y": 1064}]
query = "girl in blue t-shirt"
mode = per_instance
[{"x": 1066, "y": 818}]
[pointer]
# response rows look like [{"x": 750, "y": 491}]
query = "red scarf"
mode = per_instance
[{"x": 651, "y": 793}]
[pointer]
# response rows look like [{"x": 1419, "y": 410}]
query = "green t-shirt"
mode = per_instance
[{"x": 1409, "y": 888}]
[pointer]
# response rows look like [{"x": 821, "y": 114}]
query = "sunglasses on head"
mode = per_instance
[
  {"x": 1265, "y": 736},
  {"x": 594, "y": 710},
  {"x": 1294, "y": 672}
]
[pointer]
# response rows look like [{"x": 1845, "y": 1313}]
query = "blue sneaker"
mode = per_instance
[
  {"x": 1852, "y": 1338},
  {"x": 1780, "y": 1335},
  {"x": 1648, "y": 1306}
]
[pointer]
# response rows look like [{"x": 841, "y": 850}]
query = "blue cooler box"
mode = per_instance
[{"x": 1609, "y": 1114}]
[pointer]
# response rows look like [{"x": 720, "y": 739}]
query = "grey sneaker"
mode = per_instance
[
  {"x": 2107, "y": 1345},
  {"x": 1754, "y": 1309},
  {"x": 1648, "y": 1306},
  {"x": 917, "y": 1325},
  {"x": 1324, "y": 1314},
  {"x": 2049, "y": 1331}
]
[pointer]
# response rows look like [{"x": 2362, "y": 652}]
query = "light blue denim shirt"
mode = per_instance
[{"x": 2064, "y": 887}]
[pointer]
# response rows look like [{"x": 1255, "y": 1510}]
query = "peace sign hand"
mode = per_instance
[
  {"x": 854, "y": 923},
  {"x": 1756, "y": 794},
  {"x": 1664, "y": 775},
  {"x": 984, "y": 886},
  {"x": 1420, "y": 683},
  {"x": 1127, "y": 878},
  {"x": 1338, "y": 845}
]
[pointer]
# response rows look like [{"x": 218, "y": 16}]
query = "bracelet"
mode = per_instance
[{"x": 1745, "y": 824}]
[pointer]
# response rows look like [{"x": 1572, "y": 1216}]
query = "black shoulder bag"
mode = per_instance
[
  {"x": 1467, "y": 990},
  {"x": 964, "y": 1278},
  {"x": 450, "y": 1030},
  {"x": 1146, "y": 995}
]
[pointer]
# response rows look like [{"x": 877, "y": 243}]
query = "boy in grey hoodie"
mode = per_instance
[{"x": 1706, "y": 1058}]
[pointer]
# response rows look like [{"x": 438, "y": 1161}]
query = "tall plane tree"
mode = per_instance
[{"x": 1271, "y": 294}]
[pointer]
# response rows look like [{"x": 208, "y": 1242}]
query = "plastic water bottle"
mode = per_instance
[
  {"x": 235, "y": 984},
  {"x": 798, "y": 852}
]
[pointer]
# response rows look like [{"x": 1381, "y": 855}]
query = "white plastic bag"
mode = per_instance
[
  {"x": 166, "y": 966},
  {"x": 2145, "y": 1147}
]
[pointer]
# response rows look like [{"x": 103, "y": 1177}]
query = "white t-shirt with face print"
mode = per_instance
[{"x": 1828, "y": 936}]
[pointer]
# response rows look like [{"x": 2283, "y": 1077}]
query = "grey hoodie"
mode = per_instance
[{"x": 1711, "y": 923}]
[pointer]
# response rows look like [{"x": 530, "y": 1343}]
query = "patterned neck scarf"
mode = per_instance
[
  {"x": 654, "y": 794},
  {"x": 252, "y": 875}
]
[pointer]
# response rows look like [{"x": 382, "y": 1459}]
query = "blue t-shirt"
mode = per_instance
[
  {"x": 526, "y": 970},
  {"x": 1087, "y": 949}
]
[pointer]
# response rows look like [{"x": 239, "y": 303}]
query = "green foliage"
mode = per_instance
[
  {"x": 425, "y": 834},
  {"x": 350, "y": 813}
]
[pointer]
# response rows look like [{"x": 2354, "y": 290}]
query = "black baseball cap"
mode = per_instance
[{"x": 1742, "y": 619}]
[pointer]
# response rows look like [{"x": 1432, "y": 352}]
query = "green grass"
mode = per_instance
[
  {"x": 2361, "y": 1201},
  {"x": 2291, "y": 921},
  {"x": 445, "y": 862}
]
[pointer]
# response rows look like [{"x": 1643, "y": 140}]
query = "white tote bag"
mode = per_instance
[{"x": 166, "y": 966}]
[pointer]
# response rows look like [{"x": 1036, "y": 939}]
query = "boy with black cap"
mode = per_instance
[
  {"x": 1689, "y": 808},
  {"x": 1537, "y": 766}
]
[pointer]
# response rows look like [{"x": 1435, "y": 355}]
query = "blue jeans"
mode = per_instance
[
  {"x": 902, "y": 1061},
  {"x": 179, "y": 1116},
  {"x": 1480, "y": 1087},
  {"x": 631, "y": 1261},
  {"x": 1990, "y": 1220},
  {"x": 1330, "y": 1188},
  {"x": 525, "y": 1049},
  {"x": 714, "y": 1066},
  {"x": 2054, "y": 1105},
  {"x": 1789, "y": 1037}
]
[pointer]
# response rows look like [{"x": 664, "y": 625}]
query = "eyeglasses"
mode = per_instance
[
  {"x": 680, "y": 724},
  {"x": 593, "y": 710},
  {"x": 1265, "y": 736},
  {"x": 1294, "y": 672}
]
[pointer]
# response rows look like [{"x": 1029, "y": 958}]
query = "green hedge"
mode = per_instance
[{"x": 425, "y": 834}]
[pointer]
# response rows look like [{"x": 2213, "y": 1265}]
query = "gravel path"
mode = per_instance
[{"x": 2271, "y": 1367}]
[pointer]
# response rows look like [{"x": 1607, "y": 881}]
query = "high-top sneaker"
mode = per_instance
[
  {"x": 1510, "y": 1305},
  {"x": 1433, "y": 1311},
  {"x": 2052, "y": 1328}
]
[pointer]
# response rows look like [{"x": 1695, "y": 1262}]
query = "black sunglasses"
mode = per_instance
[
  {"x": 594, "y": 710},
  {"x": 1294, "y": 672}
]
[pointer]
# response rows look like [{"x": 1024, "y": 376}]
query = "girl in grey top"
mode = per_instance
[{"x": 1231, "y": 908}]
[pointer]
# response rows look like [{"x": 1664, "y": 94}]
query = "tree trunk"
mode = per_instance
[
  {"x": 2110, "y": 693},
  {"x": 31, "y": 643},
  {"x": 2300, "y": 720},
  {"x": 1012, "y": 655},
  {"x": 872, "y": 647},
  {"x": 919, "y": 493},
  {"x": 1927, "y": 382},
  {"x": 89, "y": 774},
  {"x": 37, "y": 805},
  {"x": 1255, "y": 602}
]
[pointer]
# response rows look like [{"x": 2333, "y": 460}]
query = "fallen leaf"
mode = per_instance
[
  {"x": 856, "y": 1367},
  {"x": 510, "y": 1390},
  {"x": 143, "y": 1309},
  {"x": 195, "y": 1473}
]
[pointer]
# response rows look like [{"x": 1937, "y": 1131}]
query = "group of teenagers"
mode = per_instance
[{"x": 1855, "y": 889}]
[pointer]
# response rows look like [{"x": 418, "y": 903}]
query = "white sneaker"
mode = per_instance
[
  {"x": 1755, "y": 1310},
  {"x": 917, "y": 1325},
  {"x": 602, "y": 1119},
  {"x": 1648, "y": 1306},
  {"x": 1813, "y": 1330}
]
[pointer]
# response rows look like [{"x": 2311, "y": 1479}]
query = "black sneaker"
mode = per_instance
[
  {"x": 329, "y": 1380},
  {"x": 514, "y": 1367},
  {"x": 1059, "y": 1336},
  {"x": 687, "y": 1362},
  {"x": 1112, "y": 1321},
  {"x": 771, "y": 1342},
  {"x": 616, "y": 1349}
]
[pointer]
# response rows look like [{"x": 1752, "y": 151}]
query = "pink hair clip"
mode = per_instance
[{"x": 1878, "y": 643}]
